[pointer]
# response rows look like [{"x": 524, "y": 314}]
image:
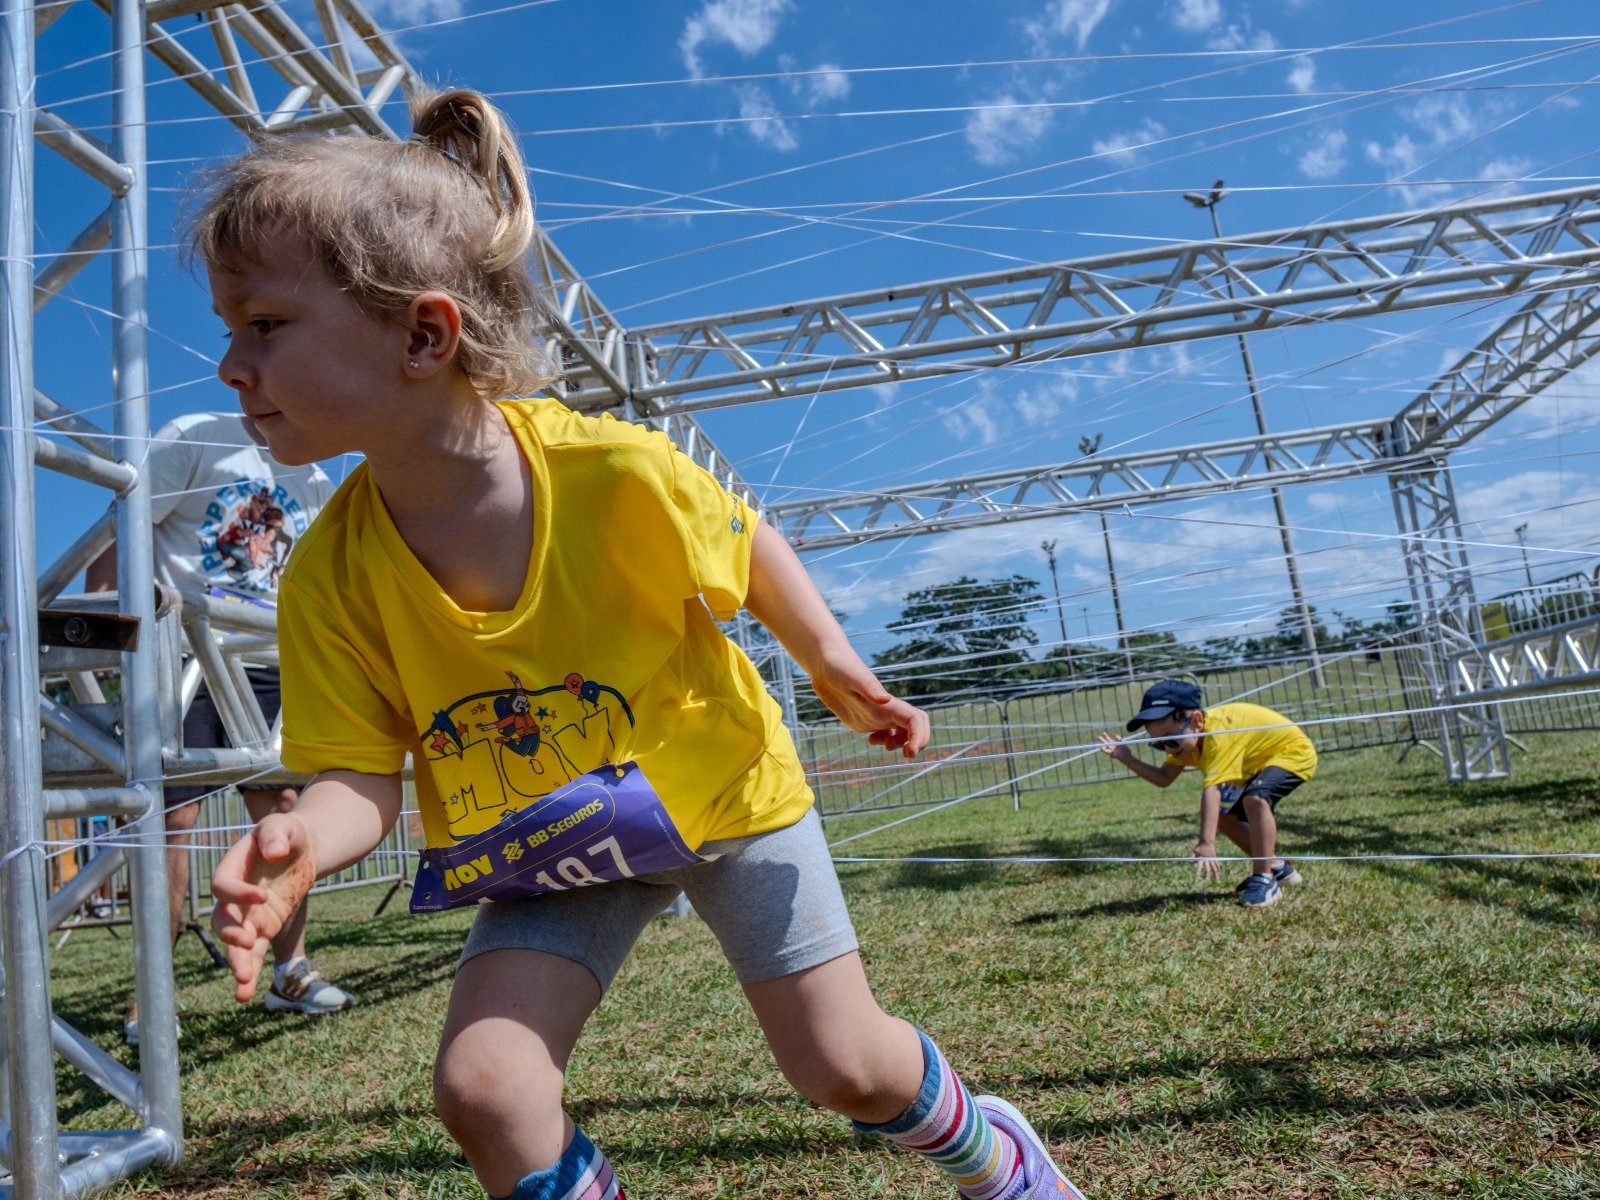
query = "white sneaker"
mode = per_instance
[
  {"x": 130, "y": 1028},
  {"x": 299, "y": 987}
]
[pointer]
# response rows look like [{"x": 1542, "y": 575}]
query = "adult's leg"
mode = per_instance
[
  {"x": 514, "y": 1017},
  {"x": 180, "y": 821},
  {"x": 290, "y": 943}
]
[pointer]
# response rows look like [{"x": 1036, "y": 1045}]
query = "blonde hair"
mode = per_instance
[{"x": 446, "y": 211}]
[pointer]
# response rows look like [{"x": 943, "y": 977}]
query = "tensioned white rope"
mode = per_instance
[
  {"x": 1086, "y": 751},
  {"x": 1190, "y": 860}
]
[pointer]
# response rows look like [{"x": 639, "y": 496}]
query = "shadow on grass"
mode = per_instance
[
  {"x": 1252, "y": 1088},
  {"x": 1546, "y": 891},
  {"x": 410, "y": 956},
  {"x": 1142, "y": 906},
  {"x": 1578, "y": 1035},
  {"x": 956, "y": 876}
]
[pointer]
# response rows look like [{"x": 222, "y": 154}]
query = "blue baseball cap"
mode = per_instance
[{"x": 1163, "y": 699}]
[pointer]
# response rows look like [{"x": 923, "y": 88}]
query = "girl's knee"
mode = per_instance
[
  {"x": 841, "y": 1087},
  {"x": 859, "y": 1080},
  {"x": 481, "y": 1096}
]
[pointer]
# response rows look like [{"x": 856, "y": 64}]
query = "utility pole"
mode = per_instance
[
  {"x": 1522, "y": 542},
  {"x": 1116, "y": 600},
  {"x": 1308, "y": 630},
  {"x": 1089, "y": 447},
  {"x": 1049, "y": 549}
]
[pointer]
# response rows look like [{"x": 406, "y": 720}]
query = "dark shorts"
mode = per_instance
[
  {"x": 1270, "y": 783},
  {"x": 203, "y": 728}
]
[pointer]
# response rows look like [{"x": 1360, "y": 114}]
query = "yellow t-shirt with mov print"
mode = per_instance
[{"x": 610, "y": 656}]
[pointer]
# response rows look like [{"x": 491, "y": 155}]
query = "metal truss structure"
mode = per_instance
[
  {"x": 260, "y": 69},
  {"x": 1329, "y": 272},
  {"x": 1556, "y": 331},
  {"x": 1561, "y": 656}
]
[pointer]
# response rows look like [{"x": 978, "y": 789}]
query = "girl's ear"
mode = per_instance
[{"x": 433, "y": 324}]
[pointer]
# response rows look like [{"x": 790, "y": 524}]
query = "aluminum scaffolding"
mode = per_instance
[{"x": 258, "y": 68}]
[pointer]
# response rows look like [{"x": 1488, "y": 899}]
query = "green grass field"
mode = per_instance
[{"x": 1389, "y": 1030}]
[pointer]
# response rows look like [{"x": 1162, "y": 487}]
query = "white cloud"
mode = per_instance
[
  {"x": 395, "y": 13},
  {"x": 761, "y": 120},
  {"x": 1557, "y": 506},
  {"x": 1513, "y": 170},
  {"x": 1443, "y": 118},
  {"x": 973, "y": 421},
  {"x": 1242, "y": 36},
  {"x": 1124, "y": 146},
  {"x": 1196, "y": 16},
  {"x": 1004, "y": 126},
  {"x": 990, "y": 416},
  {"x": 1302, "y": 74},
  {"x": 1076, "y": 19},
  {"x": 1325, "y": 158},
  {"x": 1572, "y": 402},
  {"x": 1438, "y": 123},
  {"x": 747, "y": 25},
  {"x": 816, "y": 86},
  {"x": 1399, "y": 158},
  {"x": 829, "y": 83}
]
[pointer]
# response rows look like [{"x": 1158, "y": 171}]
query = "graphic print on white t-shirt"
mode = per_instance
[{"x": 245, "y": 538}]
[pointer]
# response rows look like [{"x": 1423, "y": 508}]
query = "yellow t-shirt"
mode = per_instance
[
  {"x": 1264, "y": 739},
  {"x": 609, "y": 655}
]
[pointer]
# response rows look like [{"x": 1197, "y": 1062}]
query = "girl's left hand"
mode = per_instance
[{"x": 854, "y": 695}]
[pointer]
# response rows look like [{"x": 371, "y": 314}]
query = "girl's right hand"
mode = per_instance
[{"x": 258, "y": 884}]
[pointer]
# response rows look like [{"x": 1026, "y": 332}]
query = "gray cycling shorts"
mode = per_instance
[{"x": 772, "y": 900}]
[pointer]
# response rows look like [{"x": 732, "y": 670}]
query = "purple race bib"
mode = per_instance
[{"x": 606, "y": 825}]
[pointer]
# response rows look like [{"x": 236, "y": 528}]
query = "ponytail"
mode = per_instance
[{"x": 467, "y": 129}]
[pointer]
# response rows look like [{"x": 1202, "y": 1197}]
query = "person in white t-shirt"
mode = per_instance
[{"x": 225, "y": 518}]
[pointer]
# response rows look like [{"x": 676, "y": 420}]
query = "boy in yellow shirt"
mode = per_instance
[{"x": 1249, "y": 758}]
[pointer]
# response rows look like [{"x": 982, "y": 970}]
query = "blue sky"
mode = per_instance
[{"x": 708, "y": 157}]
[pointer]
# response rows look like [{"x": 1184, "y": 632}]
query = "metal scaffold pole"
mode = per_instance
[
  {"x": 161, "y": 1106},
  {"x": 30, "y": 1142}
]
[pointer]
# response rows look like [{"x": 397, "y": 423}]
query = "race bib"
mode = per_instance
[{"x": 606, "y": 825}]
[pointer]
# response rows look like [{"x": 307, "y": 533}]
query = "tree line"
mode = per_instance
[{"x": 972, "y": 637}]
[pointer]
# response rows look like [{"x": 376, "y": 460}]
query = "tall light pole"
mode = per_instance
[
  {"x": 1521, "y": 541},
  {"x": 1089, "y": 447},
  {"x": 1308, "y": 631},
  {"x": 1049, "y": 549}
]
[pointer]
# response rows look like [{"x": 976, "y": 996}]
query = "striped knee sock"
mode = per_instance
[
  {"x": 582, "y": 1173},
  {"x": 947, "y": 1128}
]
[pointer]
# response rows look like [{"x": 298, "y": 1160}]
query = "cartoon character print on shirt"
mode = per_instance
[
  {"x": 493, "y": 753},
  {"x": 246, "y": 535}
]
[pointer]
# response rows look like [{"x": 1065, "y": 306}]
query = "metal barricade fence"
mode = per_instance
[
  {"x": 223, "y": 820},
  {"x": 1044, "y": 740}
]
